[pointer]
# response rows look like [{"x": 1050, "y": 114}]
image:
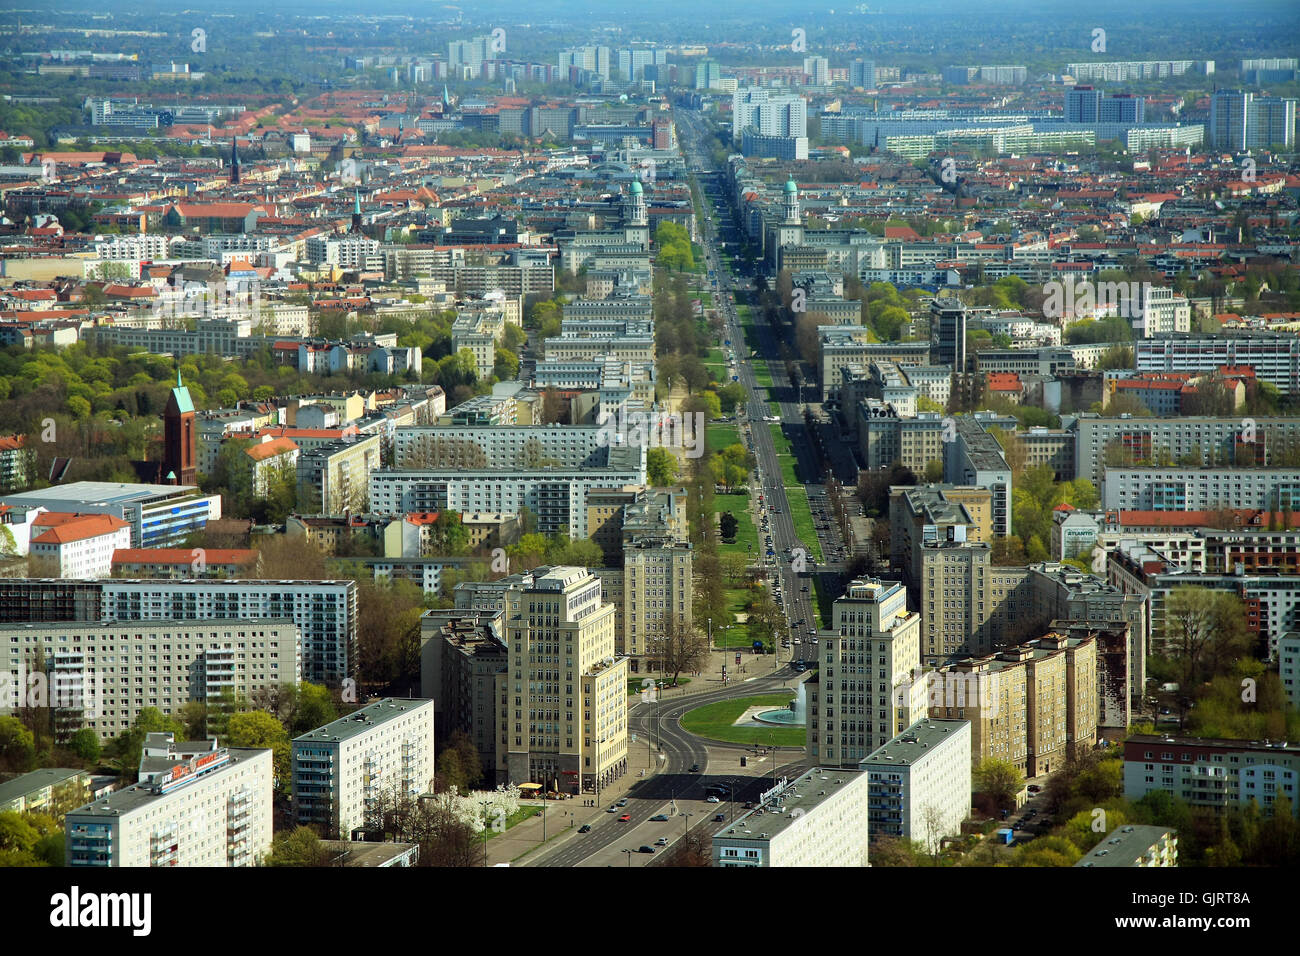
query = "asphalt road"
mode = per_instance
[
  {"x": 772, "y": 511},
  {"x": 673, "y": 784}
]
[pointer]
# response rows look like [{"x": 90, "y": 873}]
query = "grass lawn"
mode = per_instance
[
  {"x": 762, "y": 375},
  {"x": 746, "y": 533},
  {"x": 634, "y": 684},
  {"x": 715, "y": 722},
  {"x": 823, "y": 603},
  {"x": 719, "y": 436},
  {"x": 519, "y": 816},
  {"x": 796, "y": 495},
  {"x": 738, "y": 634}
]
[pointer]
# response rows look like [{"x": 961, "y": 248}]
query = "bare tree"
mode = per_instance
[{"x": 678, "y": 647}]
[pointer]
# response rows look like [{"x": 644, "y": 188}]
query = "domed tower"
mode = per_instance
[
  {"x": 792, "y": 204},
  {"x": 636, "y": 226},
  {"x": 636, "y": 206}
]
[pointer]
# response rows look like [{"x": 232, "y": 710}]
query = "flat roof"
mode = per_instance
[
  {"x": 101, "y": 492},
  {"x": 805, "y": 793},
  {"x": 137, "y": 795},
  {"x": 917, "y": 741},
  {"x": 1124, "y": 846},
  {"x": 36, "y": 780},
  {"x": 360, "y": 721}
]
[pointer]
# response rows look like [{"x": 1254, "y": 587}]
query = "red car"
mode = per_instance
[{"x": 625, "y": 818}]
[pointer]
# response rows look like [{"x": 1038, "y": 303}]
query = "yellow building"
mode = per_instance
[{"x": 563, "y": 708}]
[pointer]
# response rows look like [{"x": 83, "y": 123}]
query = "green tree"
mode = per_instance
[
  {"x": 300, "y": 847},
  {"x": 85, "y": 744},
  {"x": 1000, "y": 780},
  {"x": 257, "y": 729},
  {"x": 661, "y": 467},
  {"x": 17, "y": 746}
]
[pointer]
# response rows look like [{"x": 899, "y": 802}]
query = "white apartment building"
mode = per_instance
[
  {"x": 75, "y": 545},
  {"x": 1288, "y": 666},
  {"x": 1200, "y": 489},
  {"x": 868, "y": 687},
  {"x": 346, "y": 252},
  {"x": 107, "y": 673},
  {"x": 502, "y": 446},
  {"x": 341, "y": 770},
  {"x": 557, "y": 496},
  {"x": 818, "y": 819},
  {"x": 1161, "y": 312},
  {"x": 919, "y": 784},
  {"x": 194, "y": 804},
  {"x": 325, "y": 612}
]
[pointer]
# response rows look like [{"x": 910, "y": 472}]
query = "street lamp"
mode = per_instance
[{"x": 629, "y": 858}]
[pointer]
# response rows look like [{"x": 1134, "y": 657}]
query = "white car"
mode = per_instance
[{"x": 712, "y": 799}]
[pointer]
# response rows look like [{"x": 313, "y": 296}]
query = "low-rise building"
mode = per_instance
[
  {"x": 76, "y": 545},
  {"x": 1135, "y": 846}
]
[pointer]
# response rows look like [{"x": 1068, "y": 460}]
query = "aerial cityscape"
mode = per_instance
[{"x": 598, "y": 435}]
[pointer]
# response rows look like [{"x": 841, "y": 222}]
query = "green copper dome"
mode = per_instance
[
  {"x": 790, "y": 187},
  {"x": 636, "y": 187}
]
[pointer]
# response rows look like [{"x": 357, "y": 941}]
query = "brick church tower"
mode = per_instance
[{"x": 180, "y": 440}]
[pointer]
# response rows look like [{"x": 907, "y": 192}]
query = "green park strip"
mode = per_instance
[
  {"x": 718, "y": 436},
  {"x": 716, "y": 721},
  {"x": 762, "y": 374},
  {"x": 519, "y": 816},
  {"x": 737, "y": 635},
  {"x": 746, "y": 540},
  {"x": 796, "y": 494},
  {"x": 823, "y": 603}
]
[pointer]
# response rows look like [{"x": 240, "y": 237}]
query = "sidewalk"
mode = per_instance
[{"x": 564, "y": 817}]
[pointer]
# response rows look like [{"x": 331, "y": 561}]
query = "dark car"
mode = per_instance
[
  {"x": 719, "y": 818},
  {"x": 645, "y": 849},
  {"x": 695, "y": 768},
  {"x": 585, "y": 828}
]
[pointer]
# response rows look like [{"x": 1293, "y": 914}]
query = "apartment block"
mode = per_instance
[
  {"x": 349, "y": 767},
  {"x": 974, "y": 457},
  {"x": 75, "y": 545},
  {"x": 1200, "y": 489},
  {"x": 1288, "y": 666},
  {"x": 193, "y": 804},
  {"x": 461, "y": 654},
  {"x": 336, "y": 477},
  {"x": 325, "y": 612},
  {"x": 1037, "y": 701},
  {"x": 885, "y": 437},
  {"x": 563, "y": 713},
  {"x": 1135, "y": 846},
  {"x": 868, "y": 687},
  {"x": 817, "y": 819},
  {"x": 919, "y": 784},
  {"x": 105, "y": 674},
  {"x": 1107, "y": 442},
  {"x": 920, "y": 514},
  {"x": 1214, "y": 774}
]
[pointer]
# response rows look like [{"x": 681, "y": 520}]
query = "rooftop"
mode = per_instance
[
  {"x": 360, "y": 721},
  {"x": 1126, "y": 846},
  {"x": 912, "y": 744},
  {"x": 803, "y": 794}
]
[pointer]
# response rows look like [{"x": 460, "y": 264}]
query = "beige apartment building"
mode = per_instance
[
  {"x": 1036, "y": 701},
  {"x": 921, "y": 513},
  {"x": 869, "y": 686},
  {"x": 563, "y": 701},
  {"x": 336, "y": 477}
]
